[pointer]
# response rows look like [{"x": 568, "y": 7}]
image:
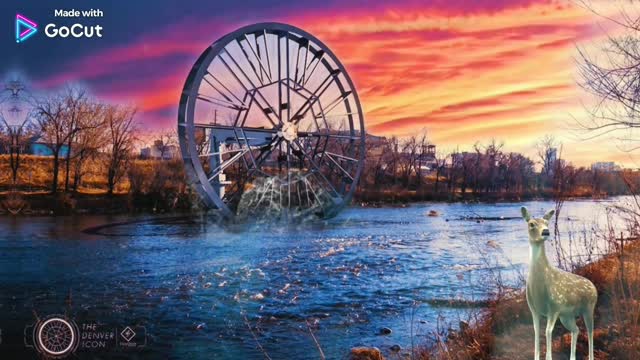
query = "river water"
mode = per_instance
[{"x": 197, "y": 288}]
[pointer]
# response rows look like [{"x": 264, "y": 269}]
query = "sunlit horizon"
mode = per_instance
[{"x": 462, "y": 73}]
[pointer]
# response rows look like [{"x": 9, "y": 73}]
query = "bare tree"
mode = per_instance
[
  {"x": 89, "y": 141},
  {"x": 121, "y": 131},
  {"x": 517, "y": 172},
  {"x": 440, "y": 163},
  {"x": 16, "y": 127},
  {"x": 60, "y": 118},
  {"x": 546, "y": 149},
  {"x": 408, "y": 159},
  {"x": 612, "y": 75},
  {"x": 476, "y": 168},
  {"x": 15, "y": 141},
  {"x": 5, "y": 144},
  {"x": 393, "y": 158},
  {"x": 51, "y": 119},
  {"x": 75, "y": 111},
  {"x": 164, "y": 141},
  {"x": 493, "y": 156},
  {"x": 454, "y": 170}
]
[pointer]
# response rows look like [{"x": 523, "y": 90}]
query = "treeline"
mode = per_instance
[
  {"x": 405, "y": 169},
  {"x": 75, "y": 130},
  {"x": 90, "y": 149}
]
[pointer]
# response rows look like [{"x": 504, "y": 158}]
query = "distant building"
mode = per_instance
[
  {"x": 159, "y": 150},
  {"x": 41, "y": 149},
  {"x": 605, "y": 166},
  {"x": 427, "y": 158},
  {"x": 376, "y": 145},
  {"x": 36, "y": 146}
]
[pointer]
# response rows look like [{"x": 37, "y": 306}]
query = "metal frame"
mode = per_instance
[{"x": 253, "y": 142}]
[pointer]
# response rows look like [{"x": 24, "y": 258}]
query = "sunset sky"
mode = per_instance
[{"x": 461, "y": 70}]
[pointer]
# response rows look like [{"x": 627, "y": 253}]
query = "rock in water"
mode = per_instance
[
  {"x": 366, "y": 353},
  {"x": 385, "y": 331}
]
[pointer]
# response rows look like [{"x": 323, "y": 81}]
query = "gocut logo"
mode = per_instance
[{"x": 25, "y": 28}]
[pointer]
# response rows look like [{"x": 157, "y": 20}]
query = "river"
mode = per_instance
[{"x": 196, "y": 287}]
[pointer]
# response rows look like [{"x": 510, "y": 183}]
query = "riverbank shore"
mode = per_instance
[
  {"x": 78, "y": 203},
  {"x": 504, "y": 330},
  {"x": 380, "y": 198},
  {"x": 43, "y": 203}
]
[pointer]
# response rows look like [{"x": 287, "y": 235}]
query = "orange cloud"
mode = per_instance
[
  {"x": 495, "y": 72},
  {"x": 412, "y": 64}
]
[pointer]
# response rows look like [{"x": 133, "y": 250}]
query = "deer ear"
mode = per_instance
[
  {"x": 549, "y": 214},
  {"x": 525, "y": 213}
]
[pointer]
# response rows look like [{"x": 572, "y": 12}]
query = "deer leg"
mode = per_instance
[
  {"x": 569, "y": 323},
  {"x": 588, "y": 322},
  {"x": 551, "y": 322},
  {"x": 536, "y": 334}
]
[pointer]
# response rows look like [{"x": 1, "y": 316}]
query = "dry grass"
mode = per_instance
[
  {"x": 152, "y": 185},
  {"x": 504, "y": 330},
  {"x": 35, "y": 174}
]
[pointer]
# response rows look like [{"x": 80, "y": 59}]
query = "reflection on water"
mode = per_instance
[{"x": 189, "y": 281}]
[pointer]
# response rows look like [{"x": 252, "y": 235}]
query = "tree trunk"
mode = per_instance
[
  {"x": 56, "y": 168},
  {"x": 111, "y": 176},
  {"x": 68, "y": 165},
  {"x": 110, "y": 185},
  {"x": 77, "y": 174},
  {"x": 15, "y": 164}
]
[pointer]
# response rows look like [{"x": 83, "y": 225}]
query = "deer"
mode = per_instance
[{"x": 554, "y": 293}]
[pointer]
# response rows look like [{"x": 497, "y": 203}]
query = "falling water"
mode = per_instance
[{"x": 291, "y": 198}]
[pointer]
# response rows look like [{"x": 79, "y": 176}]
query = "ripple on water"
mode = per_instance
[{"x": 191, "y": 281}]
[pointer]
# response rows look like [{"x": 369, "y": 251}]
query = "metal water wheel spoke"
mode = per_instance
[{"x": 269, "y": 108}]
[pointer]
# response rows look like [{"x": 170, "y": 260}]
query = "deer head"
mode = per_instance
[{"x": 538, "y": 228}]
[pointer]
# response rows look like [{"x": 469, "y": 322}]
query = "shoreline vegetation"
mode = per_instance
[
  {"x": 76, "y": 154},
  {"x": 501, "y": 328},
  {"x": 44, "y": 203},
  {"x": 504, "y": 329},
  {"x": 159, "y": 186}
]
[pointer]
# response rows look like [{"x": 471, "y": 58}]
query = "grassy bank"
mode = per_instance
[
  {"x": 504, "y": 330},
  {"x": 146, "y": 186},
  {"x": 161, "y": 186}
]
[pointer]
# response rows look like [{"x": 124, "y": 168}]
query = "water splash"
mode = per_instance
[{"x": 293, "y": 198}]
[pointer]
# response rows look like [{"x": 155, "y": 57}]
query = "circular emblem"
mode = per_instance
[{"x": 56, "y": 337}]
